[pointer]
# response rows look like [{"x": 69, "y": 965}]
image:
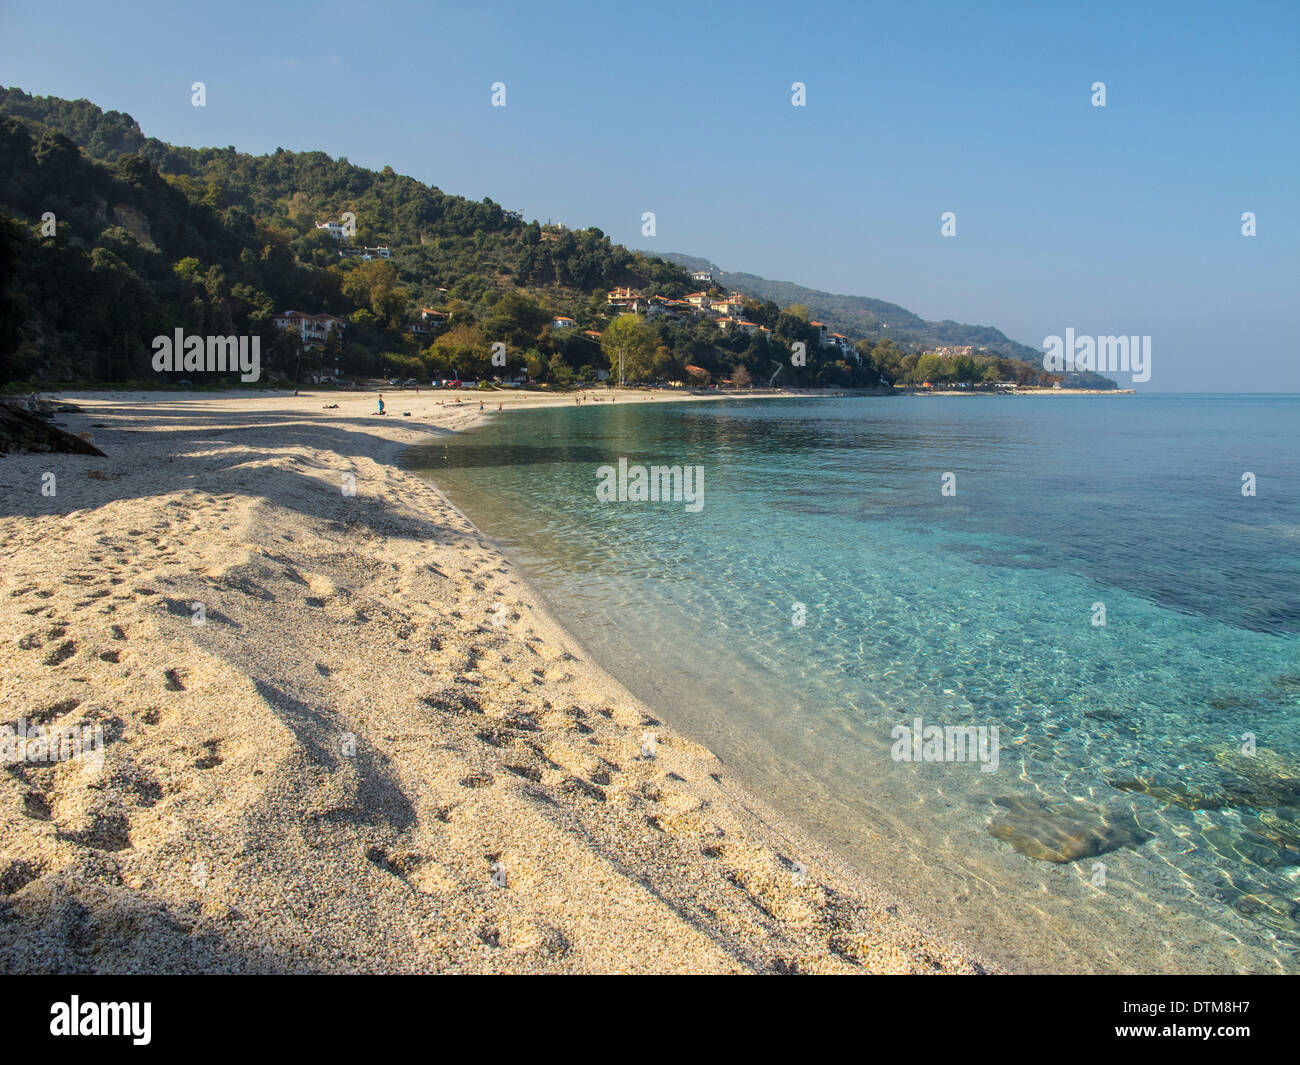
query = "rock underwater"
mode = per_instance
[{"x": 1062, "y": 831}]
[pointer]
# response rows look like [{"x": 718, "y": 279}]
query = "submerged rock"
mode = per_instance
[
  {"x": 1286, "y": 682},
  {"x": 1262, "y": 781},
  {"x": 1264, "y": 902},
  {"x": 1062, "y": 832},
  {"x": 1177, "y": 794},
  {"x": 1232, "y": 701}
]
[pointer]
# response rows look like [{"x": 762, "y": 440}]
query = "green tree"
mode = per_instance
[
  {"x": 629, "y": 343},
  {"x": 374, "y": 285},
  {"x": 928, "y": 367}
]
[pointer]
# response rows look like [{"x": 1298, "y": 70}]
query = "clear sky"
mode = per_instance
[{"x": 1124, "y": 219}]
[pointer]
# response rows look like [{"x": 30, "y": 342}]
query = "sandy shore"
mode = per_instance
[{"x": 376, "y": 752}]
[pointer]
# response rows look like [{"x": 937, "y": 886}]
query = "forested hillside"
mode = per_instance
[{"x": 109, "y": 238}]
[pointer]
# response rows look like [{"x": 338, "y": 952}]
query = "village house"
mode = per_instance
[
  {"x": 702, "y": 275},
  {"x": 846, "y": 346},
  {"x": 626, "y": 300},
  {"x": 727, "y": 324},
  {"x": 312, "y": 328},
  {"x": 561, "y": 322},
  {"x": 335, "y": 229},
  {"x": 430, "y": 322},
  {"x": 674, "y": 310}
]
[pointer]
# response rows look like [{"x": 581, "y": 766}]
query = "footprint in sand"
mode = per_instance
[{"x": 61, "y": 653}]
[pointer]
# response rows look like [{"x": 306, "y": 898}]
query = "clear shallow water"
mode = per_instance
[{"x": 972, "y": 609}]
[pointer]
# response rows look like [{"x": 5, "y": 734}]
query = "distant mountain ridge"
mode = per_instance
[{"x": 864, "y": 317}]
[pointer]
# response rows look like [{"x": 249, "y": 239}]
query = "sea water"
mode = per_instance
[{"x": 1110, "y": 585}]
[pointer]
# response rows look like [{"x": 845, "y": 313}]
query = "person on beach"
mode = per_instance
[
  {"x": 480, "y": 406},
  {"x": 381, "y": 404}
]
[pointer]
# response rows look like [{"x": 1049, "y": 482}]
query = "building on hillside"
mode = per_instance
[
  {"x": 561, "y": 322},
  {"x": 626, "y": 300},
  {"x": 727, "y": 324},
  {"x": 952, "y": 352},
  {"x": 430, "y": 323},
  {"x": 699, "y": 300},
  {"x": 702, "y": 275},
  {"x": 823, "y": 336},
  {"x": 312, "y": 328},
  {"x": 846, "y": 346},
  {"x": 673, "y": 310},
  {"x": 366, "y": 254},
  {"x": 335, "y": 229}
]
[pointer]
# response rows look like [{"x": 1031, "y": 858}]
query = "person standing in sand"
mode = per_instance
[{"x": 381, "y": 403}]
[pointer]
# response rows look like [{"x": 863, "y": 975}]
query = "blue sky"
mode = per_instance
[{"x": 1124, "y": 219}]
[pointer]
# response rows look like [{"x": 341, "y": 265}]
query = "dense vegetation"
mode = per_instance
[{"x": 109, "y": 238}]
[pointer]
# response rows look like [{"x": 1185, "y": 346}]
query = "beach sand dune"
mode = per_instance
[{"x": 341, "y": 735}]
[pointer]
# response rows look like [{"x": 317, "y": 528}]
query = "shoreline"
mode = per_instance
[{"x": 230, "y": 830}]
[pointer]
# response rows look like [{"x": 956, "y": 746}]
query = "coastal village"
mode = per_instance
[
  {"x": 729, "y": 311},
  {"x": 725, "y": 309}
]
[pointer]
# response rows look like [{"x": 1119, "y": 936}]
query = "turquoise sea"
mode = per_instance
[{"x": 828, "y": 591}]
